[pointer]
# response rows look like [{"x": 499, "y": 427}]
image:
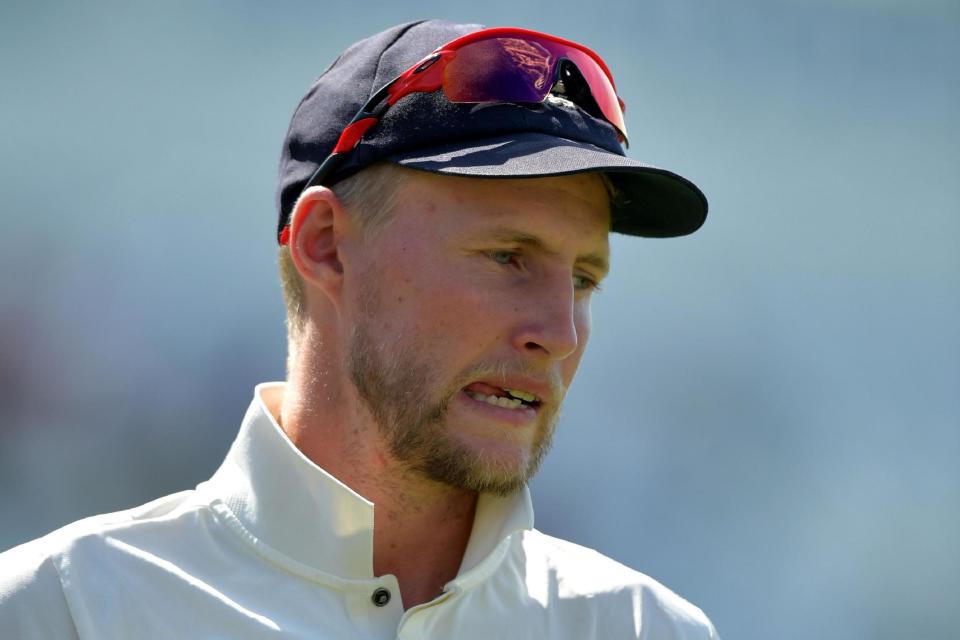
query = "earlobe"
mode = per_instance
[{"x": 316, "y": 231}]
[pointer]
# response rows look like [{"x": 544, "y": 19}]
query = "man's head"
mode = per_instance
[
  {"x": 449, "y": 305},
  {"x": 462, "y": 319}
]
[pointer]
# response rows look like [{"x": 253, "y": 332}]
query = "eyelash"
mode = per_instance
[
  {"x": 590, "y": 283},
  {"x": 509, "y": 254}
]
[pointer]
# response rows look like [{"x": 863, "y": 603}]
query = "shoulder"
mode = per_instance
[
  {"x": 34, "y": 599},
  {"x": 32, "y": 602},
  {"x": 61, "y": 540},
  {"x": 583, "y": 574}
]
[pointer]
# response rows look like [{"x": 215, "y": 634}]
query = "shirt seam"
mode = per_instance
[
  {"x": 231, "y": 522},
  {"x": 67, "y": 596}
]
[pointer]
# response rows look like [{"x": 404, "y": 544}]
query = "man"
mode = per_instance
[{"x": 438, "y": 308}]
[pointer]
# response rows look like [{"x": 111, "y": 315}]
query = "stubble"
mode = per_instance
[{"x": 396, "y": 382}]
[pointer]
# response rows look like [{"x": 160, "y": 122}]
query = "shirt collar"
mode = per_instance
[{"x": 286, "y": 502}]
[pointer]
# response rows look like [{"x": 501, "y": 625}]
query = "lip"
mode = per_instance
[
  {"x": 522, "y": 417},
  {"x": 539, "y": 388}
]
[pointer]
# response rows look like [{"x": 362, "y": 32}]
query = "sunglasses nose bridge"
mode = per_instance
[
  {"x": 577, "y": 89},
  {"x": 568, "y": 82},
  {"x": 564, "y": 72}
]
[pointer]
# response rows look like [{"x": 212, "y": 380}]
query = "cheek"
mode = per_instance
[
  {"x": 457, "y": 314},
  {"x": 436, "y": 304}
]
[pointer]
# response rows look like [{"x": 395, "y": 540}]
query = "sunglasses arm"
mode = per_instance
[
  {"x": 424, "y": 77},
  {"x": 368, "y": 116},
  {"x": 416, "y": 79}
]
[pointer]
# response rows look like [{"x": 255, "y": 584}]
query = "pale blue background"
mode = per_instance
[{"x": 768, "y": 420}]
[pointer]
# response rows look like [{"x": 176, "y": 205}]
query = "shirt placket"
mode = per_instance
[
  {"x": 376, "y": 606},
  {"x": 413, "y": 622}
]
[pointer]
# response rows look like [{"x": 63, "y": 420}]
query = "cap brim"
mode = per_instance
[{"x": 650, "y": 202}]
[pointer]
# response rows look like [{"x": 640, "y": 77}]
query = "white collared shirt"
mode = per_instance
[{"x": 274, "y": 547}]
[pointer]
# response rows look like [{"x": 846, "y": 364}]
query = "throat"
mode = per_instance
[{"x": 422, "y": 547}]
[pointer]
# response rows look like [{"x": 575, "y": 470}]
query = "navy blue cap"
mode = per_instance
[{"x": 501, "y": 140}]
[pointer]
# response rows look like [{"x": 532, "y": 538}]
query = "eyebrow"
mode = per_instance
[{"x": 511, "y": 236}]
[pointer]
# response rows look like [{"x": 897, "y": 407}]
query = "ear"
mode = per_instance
[{"x": 318, "y": 226}]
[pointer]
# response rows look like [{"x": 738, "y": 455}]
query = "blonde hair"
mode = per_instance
[{"x": 368, "y": 196}]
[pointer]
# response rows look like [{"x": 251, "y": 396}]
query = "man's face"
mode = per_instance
[{"x": 470, "y": 314}]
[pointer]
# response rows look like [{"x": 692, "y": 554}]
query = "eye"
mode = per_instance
[
  {"x": 585, "y": 283},
  {"x": 503, "y": 257}
]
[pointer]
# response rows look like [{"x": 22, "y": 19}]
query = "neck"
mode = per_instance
[
  {"x": 421, "y": 527},
  {"x": 420, "y": 535}
]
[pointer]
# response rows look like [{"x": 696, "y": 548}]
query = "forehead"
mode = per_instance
[{"x": 573, "y": 209}]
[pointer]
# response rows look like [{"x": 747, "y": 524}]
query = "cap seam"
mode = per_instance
[
  {"x": 311, "y": 89},
  {"x": 376, "y": 70},
  {"x": 313, "y": 84}
]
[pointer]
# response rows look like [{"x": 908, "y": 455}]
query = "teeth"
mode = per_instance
[
  {"x": 506, "y": 403},
  {"x": 523, "y": 395}
]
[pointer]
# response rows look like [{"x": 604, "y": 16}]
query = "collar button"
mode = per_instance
[{"x": 380, "y": 597}]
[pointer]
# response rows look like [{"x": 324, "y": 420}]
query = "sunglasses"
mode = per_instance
[{"x": 503, "y": 64}]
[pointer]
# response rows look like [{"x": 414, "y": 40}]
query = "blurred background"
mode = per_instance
[{"x": 768, "y": 418}]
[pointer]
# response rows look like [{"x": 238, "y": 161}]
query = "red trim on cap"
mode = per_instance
[
  {"x": 285, "y": 235},
  {"x": 352, "y": 134}
]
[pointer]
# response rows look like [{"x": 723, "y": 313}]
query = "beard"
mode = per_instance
[{"x": 395, "y": 379}]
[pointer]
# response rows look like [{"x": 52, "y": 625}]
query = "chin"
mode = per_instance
[{"x": 483, "y": 467}]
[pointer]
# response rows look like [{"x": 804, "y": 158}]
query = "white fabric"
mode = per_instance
[{"x": 272, "y": 546}]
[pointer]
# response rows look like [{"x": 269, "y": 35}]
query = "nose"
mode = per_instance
[{"x": 547, "y": 321}]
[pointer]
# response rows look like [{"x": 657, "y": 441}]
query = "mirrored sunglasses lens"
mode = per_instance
[
  {"x": 500, "y": 69},
  {"x": 600, "y": 87},
  {"x": 505, "y": 69}
]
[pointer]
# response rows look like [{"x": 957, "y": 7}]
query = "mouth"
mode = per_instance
[{"x": 503, "y": 397}]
